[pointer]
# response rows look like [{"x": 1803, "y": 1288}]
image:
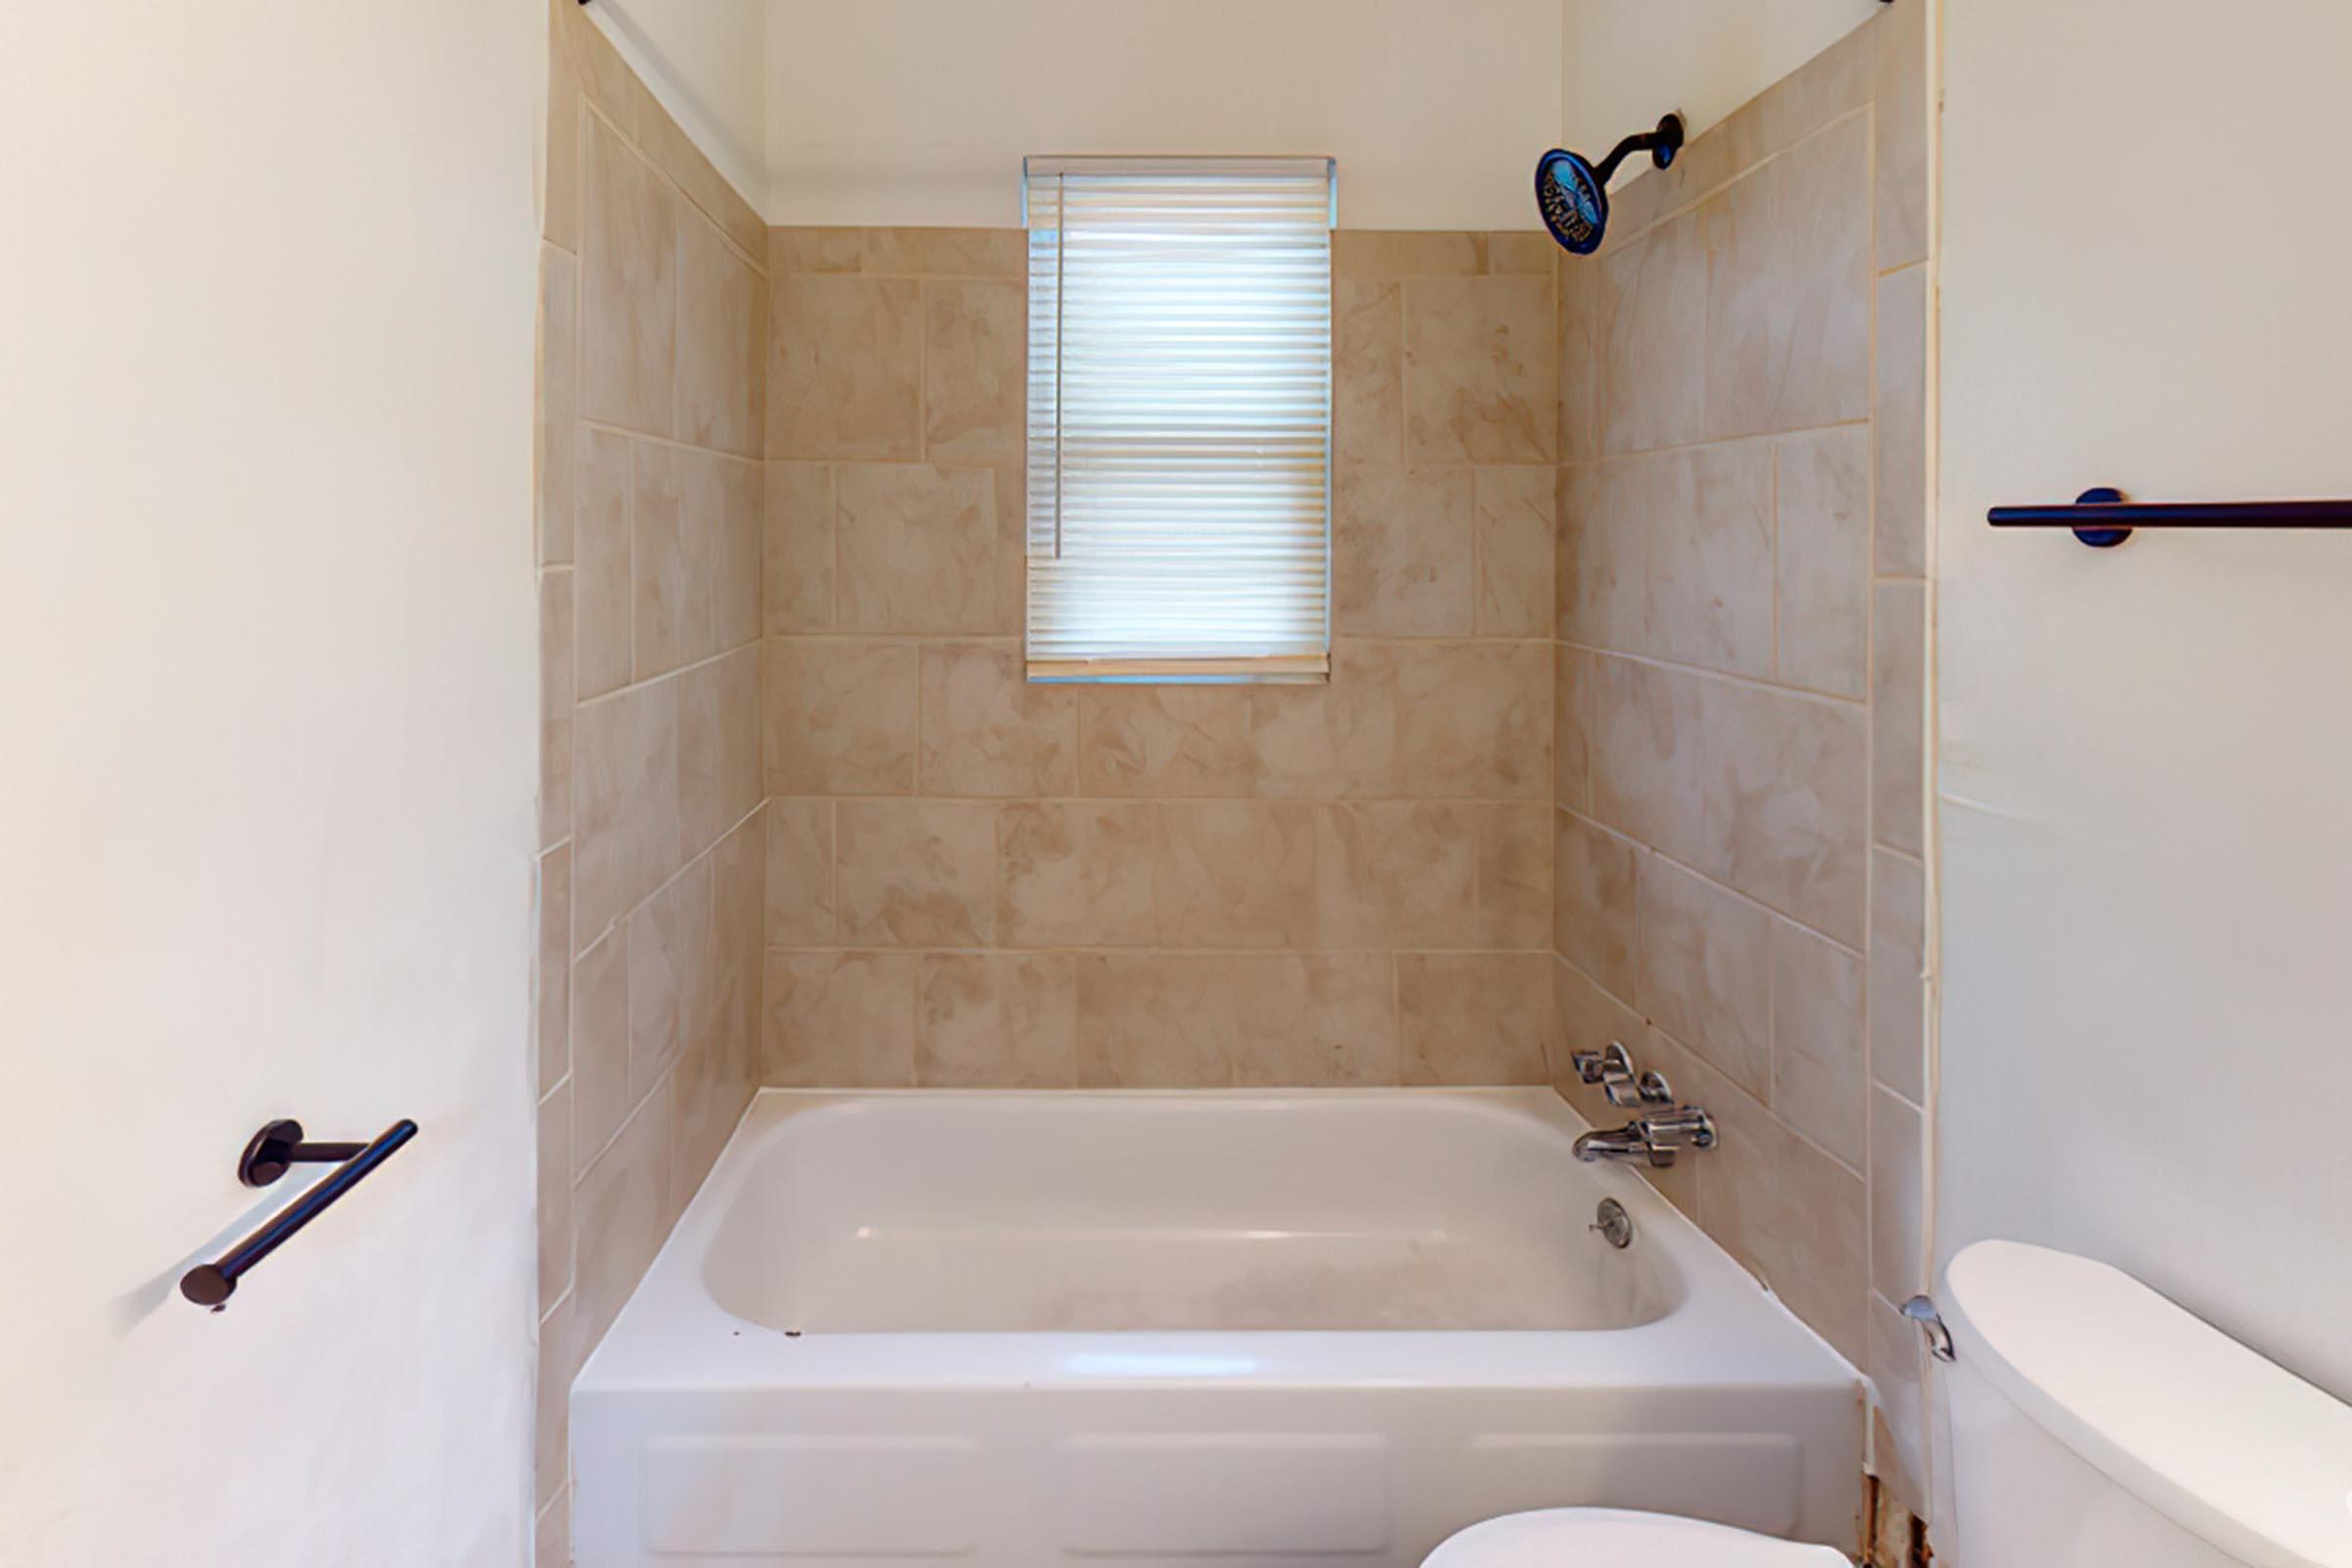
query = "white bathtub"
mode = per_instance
[{"x": 1242, "y": 1330}]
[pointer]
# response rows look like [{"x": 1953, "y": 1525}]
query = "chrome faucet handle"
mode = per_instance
[
  {"x": 1684, "y": 1127},
  {"x": 1655, "y": 1089},
  {"x": 1612, "y": 1068},
  {"x": 1594, "y": 1066}
]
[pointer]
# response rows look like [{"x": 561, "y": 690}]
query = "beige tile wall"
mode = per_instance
[
  {"x": 1740, "y": 808},
  {"x": 976, "y": 881},
  {"x": 654, "y": 299},
  {"x": 1623, "y": 738}
]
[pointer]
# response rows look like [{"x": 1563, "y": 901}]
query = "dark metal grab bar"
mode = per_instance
[
  {"x": 267, "y": 1157},
  {"x": 2102, "y": 518}
]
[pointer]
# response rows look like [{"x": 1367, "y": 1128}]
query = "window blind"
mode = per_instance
[{"x": 1179, "y": 419}]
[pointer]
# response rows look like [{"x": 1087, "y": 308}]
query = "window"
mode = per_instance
[{"x": 1179, "y": 419}]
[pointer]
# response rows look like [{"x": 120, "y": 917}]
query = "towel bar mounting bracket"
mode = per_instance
[
  {"x": 2101, "y": 538},
  {"x": 278, "y": 1146}
]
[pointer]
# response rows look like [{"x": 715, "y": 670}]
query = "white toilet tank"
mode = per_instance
[{"x": 2095, "y": 1425}]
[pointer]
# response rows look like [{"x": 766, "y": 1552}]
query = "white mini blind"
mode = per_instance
[{"x": 1179, "y": 419}]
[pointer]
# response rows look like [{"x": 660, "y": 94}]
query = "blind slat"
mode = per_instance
[{"x": 1179, "y": 419}]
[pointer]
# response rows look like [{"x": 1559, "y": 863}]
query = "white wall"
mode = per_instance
[
  {"x": 916, "y": 112},
  {"x": 706, "y": 61},
  {"x": 919, "y": 112},
  {"x": 265, "y": 814},
  {"x": 2148, "y": 914},
  {"x": 1627, "y": 61}
]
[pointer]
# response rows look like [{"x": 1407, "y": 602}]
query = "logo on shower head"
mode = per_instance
[
  {"x": 1574, "y": 208},
  {"x": 1574, "y": 196}
]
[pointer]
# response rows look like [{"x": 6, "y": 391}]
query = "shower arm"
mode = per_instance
[{"x": 1662, "y": 144}]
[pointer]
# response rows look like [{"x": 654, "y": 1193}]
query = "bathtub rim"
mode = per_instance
[{"x": 1725, "y": 1330}]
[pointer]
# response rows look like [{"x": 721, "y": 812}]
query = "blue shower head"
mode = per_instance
[
  {"x": 1574, "y": 201},
  {"x": 1573, "y": 195}
]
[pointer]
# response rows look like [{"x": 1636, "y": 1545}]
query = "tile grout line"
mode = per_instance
[
  {"x": 1860, "y": 1175},
  {"x": 627, "y": 914},
  {"x": 627, "y": 140},
  {"x": 833, "y": 542},
  {"x": 1703, "y": 443},
  {"x": 1872, "y": 1197},
  {"x": 1150, "y": 950},
  {"x": 922, "y": 452},
  {"x": 1769, "y": 911},
  {"x": 1779, "y": 652},
  {"x": 1700, "y": 199},
  {"x": 651, "y": 439},
  {"x": 640, "y": 685},
  {"x": 1353, "y": 639},
  {"x": 636, "y": 1109},
  {"x": 1754, "y": 683}
]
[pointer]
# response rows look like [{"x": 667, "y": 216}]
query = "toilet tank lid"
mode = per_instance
[{"x": 2235, "y": 1450}]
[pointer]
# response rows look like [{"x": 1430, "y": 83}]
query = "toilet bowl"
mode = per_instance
[{"x": 1570, "y": 1537}]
